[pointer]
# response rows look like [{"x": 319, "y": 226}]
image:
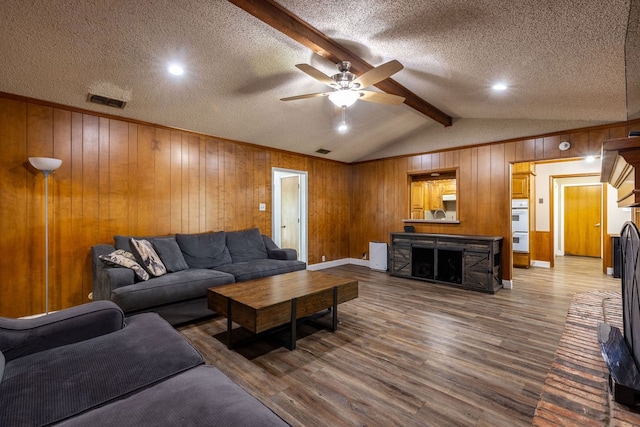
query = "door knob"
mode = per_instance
[
  {"x": 598, "y": 225},
  {"x": 284, "y": 226}
]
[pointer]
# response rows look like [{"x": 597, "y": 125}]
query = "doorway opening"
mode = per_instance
[
  {"x": 579, "y": 216},
  {"x": 290, "y": 214}
]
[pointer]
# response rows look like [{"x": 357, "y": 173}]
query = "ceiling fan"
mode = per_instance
[{"x": 348, "y": 88}]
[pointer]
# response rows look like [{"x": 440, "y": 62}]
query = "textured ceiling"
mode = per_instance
[{"x": 563, "y": 60}]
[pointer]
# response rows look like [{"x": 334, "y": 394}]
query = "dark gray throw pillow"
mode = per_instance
[
  {"x": 246, "y": 245},
  {"x": 169, "y": 252},
  {"x": 205, "y": 250}
]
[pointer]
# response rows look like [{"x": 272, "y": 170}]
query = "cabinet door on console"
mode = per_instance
[
  {"x": 401, "y": 260},
  {"x": 477, "y": 268}
]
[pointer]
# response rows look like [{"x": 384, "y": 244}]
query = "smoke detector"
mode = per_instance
[{"x": 564, "y": 145}]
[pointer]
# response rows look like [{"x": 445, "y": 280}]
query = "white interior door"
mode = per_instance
[
  {"x": 290, "y": 215},
  {"x": 290, "y": 212}
]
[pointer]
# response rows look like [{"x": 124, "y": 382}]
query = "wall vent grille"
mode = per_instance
[{"x": 109, "y": 102}]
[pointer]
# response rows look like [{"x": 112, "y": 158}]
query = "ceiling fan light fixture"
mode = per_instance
[{"x": 344, "y": 98}]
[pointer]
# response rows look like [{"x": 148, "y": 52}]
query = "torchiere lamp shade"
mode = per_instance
[{"x": 45, "y": 164}]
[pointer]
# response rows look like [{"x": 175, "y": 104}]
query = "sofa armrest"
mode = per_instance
[
  {"x": 20, "y": 337},
  {"x": 274, "y": 252},
  {"x": 283, "y": 254},
  {"x": 105, "y": 277}
]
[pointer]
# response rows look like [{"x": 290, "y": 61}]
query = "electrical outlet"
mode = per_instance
[
  {"x": 324, "y": 258},
  {"x": 262, "y": 207}
]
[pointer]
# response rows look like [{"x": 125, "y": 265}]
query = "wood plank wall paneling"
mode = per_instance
[
  {"x": 126, "y": 177},
  {"x": 483, "y": 192},
  {"x": 120, "y": 177},
  {"x": 541, "y": 241}
]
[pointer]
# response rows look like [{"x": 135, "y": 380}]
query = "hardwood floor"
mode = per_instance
[{"x": 413, "y": 353}]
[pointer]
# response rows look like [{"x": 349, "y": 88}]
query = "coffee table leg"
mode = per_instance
[
  {"x": 294, "y": 323},
  {"x": 229, "y": 324}
]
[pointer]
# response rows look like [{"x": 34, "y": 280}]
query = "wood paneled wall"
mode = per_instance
[
  {"x": 380, "y": 195},
  {"x": 125, "y": 177},
  {"x": 120, "y": 177}
]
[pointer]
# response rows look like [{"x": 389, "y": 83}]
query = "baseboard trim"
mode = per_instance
[
  {"x": 543, "y": 264},
  {"x": 337, "y": 263}
]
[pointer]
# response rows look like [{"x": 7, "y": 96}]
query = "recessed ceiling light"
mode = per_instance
[
  {"x": 176, "y": 69},
  {"x": 500, "y": 86}
]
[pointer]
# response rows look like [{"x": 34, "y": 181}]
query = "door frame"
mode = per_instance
[
  {"x": 276, "y": 213},
  {"x": 556, "y": 210}
]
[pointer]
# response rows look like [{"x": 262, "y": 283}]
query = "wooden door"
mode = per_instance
[
  {"x": 582, "y": 220},
  {"x": 290, "y": 211}
]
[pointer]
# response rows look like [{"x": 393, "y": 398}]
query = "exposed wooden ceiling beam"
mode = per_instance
[{"x": 284, "y": 21}]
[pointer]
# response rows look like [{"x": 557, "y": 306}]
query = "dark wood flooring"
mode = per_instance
[{"x": 412, "y": 353}]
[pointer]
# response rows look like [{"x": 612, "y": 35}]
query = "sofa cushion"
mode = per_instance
[
  {"x": 122, "y": 258},
  {"x": 170, "y": 288},
  {"x": 246, "y": 245},
  {"x": 52, "y": 385},
  {"x": 147, "y": 257},
  {"x": 204, "y": 250},
  {"x": 122, "y": 242},
  {"x": 202, "y": 396},
  {"x": 257, "y": 269},
  {"x": 170, "y": 254}
]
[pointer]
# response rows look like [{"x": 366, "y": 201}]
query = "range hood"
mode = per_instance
[{"x": 448, "y": 197}]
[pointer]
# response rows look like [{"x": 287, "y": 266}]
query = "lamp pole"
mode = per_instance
[{"x": 46, "y": 165}]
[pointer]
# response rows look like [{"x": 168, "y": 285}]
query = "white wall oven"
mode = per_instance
[{"x": 520, "y": 225}]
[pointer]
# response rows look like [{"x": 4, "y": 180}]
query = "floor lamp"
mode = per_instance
[{"x": 46, "y": 165}]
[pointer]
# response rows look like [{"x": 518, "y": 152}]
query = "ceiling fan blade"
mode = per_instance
[
  {"x": 381, "y": 98},
  {"x": 316, "y": 74},
  {"x": 379, "y": 73},
  {"x": 308, "y": 95}
]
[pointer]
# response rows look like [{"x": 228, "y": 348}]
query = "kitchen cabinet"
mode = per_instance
[
  {"x": 448, "y": 186},
  {"x": 522, "y": 179},
  {"x": 417, "y": 199},
  {"x": 435, "y": 195},
  {"x": 470, "y": 262},
  {"x": 520, "y": 185}
]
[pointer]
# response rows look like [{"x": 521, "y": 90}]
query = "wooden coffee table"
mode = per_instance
[{"x": 263, "y": 304}]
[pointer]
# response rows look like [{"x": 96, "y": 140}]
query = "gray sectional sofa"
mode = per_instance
[
  {"x": 194, "y": 263},
  {"x": 89, "y": 366}
]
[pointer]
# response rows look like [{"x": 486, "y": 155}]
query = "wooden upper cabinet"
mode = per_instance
[
  {"x": 417, "y": 199},
  {"x": 520, "y": 186},
  {"x": 436, "y": 189},
  {"x": 521, "y": 179},
  {"x": 417, "y": 195},
  {"x": 448, "y": 186}
]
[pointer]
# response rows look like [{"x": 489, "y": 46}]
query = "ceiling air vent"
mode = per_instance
[
  {"x": 109, "y": 102},
  {"x": 323, "y": 151}
]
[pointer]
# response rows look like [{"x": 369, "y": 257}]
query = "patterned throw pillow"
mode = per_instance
[
  {"x": 147, "y": 257},
  {"x": 122, "y": 258}
]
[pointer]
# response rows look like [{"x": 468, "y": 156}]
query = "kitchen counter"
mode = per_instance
[{"x": 432, "y": 221}]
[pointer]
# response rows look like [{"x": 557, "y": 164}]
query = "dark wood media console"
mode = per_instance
[{"x": 471, "y": 262}]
